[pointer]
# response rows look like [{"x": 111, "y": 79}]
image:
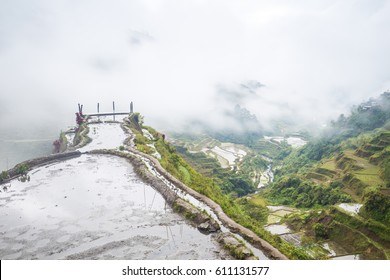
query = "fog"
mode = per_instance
[{"x": 185, "y": 60}]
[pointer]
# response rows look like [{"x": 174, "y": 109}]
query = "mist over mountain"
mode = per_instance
[
  {"x": 192, "y": 61},
  {"x": 241, "y": 126},
  {"x": 278, "y": 80}
]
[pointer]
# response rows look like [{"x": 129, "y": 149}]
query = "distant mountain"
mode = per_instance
[
  {"x": 252, "y": 85},
  {"x": 243, "y": 127}
]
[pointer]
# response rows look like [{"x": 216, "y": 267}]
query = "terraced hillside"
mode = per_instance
[{"x": 357, "y": 169}]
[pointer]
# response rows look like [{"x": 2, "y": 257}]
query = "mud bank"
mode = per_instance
[
  {"x": 203, "y": 221},
  {"x": 23, "y": 167},
  {"x": 81, "y": 137},
  {"x": 235, "y": 247}
]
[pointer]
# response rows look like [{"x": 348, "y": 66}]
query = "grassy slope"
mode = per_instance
[{"x": 240, "y": 210}]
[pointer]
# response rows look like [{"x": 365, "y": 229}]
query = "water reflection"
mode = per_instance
[{"x": 94, "y": 207}]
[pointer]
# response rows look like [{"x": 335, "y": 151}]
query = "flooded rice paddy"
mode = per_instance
[
  {"x": 94, "y": 207},
  {"x": 227, "y": 154},
  {"x": 104, "y": 136},
  {"x": 295, "y": 142},
  {"x": 352, "y": 208},
  {"x": 277, "y": 229}
]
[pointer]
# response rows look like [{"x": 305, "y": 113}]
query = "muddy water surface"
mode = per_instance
[
  {"x": 94, "y": 207},
  {"x": 104, "y": 136}
]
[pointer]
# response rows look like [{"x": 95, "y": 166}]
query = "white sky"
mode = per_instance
[{"x": 172, "y": 58}]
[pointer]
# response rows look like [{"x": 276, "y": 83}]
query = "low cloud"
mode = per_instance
[{"x": 190, "y": 60}]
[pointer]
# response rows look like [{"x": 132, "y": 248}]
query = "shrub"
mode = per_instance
[
  {"x": 22, "y": 169},
  {"x": 4, "y": 175},
  {"x": 321, "y": 231}
]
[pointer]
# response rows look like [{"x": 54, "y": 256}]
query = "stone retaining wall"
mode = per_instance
[{"x": 29, "y": 164}]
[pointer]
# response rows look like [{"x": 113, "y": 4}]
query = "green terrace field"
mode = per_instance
[{"x": 358, "y": 168}]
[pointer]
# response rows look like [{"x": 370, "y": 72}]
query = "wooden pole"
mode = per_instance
[
  {"x": 98, "y": 108},
  {"x": 113, "y": 108}
]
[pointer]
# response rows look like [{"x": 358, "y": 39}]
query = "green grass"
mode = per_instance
[
  {"x": 186, "y": 176},
  {"x": 364, "y": 235},
  {"x": 258, "y": 200},
  {"x": 268, "y": 148},
  {"x": 363, "y": 163},
  {"x": 351, "y": 234},
  {"x": 317, "y": 176},
  {"x": 329, "y": 165},
  {"x": 369, "y": 179},
  {"x": 281, "y": 213},
  {"x": 361, "y": 173},
  {"x": 369, "y": 174},
  {"x": 273, "y": 219}
]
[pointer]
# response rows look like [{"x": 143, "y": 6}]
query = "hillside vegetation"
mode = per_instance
[
  {"x": 348, "y": 163},
  {"x": 352, "y": 158},
  {"x": 243, "y": 211}
]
